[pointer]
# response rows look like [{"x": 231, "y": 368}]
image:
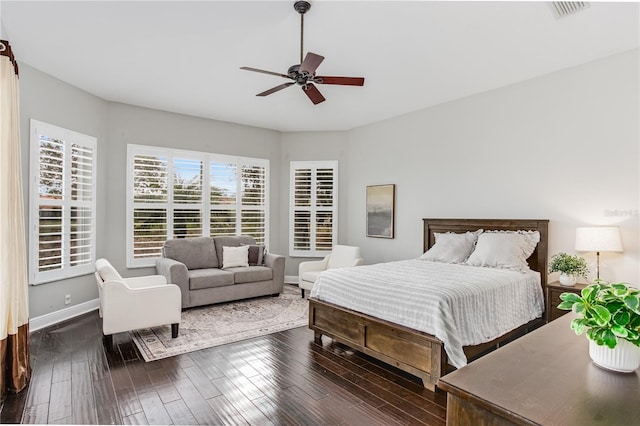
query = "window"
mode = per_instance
[
  {"x": 313, "y": 208},
  {"x": 186, "y": 194},
  {"x": 62, "y": 210}
]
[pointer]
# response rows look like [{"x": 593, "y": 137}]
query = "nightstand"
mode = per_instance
[{"x": 554, "y": 290}]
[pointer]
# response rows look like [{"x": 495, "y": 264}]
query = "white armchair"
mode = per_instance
[
  {"x": 340, "y": 257},
  {"x": 133, "y": 303}
]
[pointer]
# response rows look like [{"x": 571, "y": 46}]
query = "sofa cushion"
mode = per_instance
[
  {"x": 231, "y": 241},
  {"x": 251, "y": 274},
  {"x": 208, "y": 278},
  {"x": 195, "y": 253}
]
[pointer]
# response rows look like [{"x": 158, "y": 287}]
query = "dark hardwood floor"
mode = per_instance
[{"x": 282, "y": 378}]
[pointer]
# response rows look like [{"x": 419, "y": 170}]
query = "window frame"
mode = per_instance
[
  {"x": 314, "y": 165},
  {"x": 205, "y": 207},
  {"x": 66, "y": 203}
]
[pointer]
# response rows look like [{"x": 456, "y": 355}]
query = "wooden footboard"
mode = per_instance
[{"x": 415, "y": 352}]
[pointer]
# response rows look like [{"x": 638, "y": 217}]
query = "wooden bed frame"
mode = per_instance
[{"x": 413, "y": 351}]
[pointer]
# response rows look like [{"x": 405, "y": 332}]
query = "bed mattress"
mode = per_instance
[{"x": 459, "y": 304}]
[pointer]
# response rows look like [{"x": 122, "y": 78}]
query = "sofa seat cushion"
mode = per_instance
[
  {"x": 208, "y": 278},
  {"x": 310, "y": 276},
  {"x": 251, "y": 274}
]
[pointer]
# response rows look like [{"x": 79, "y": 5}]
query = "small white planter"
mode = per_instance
[
  {"x": 567, "y": 280},
  {"x": 624, "y": 358}
]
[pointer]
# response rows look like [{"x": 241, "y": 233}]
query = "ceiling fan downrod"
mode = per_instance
[{"x": 301, "y": 7}]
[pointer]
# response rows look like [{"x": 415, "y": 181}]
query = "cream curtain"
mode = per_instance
[{"x": 15, "y": 368}]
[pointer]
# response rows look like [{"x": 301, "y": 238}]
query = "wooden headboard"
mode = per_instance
[{"x": 538, "y": 259}]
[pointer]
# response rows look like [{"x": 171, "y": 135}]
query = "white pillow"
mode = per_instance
[
  {"x": 504, "y": 249},
  {"x": 235, "y": 256},
  {"x": 451, "y": 247}
]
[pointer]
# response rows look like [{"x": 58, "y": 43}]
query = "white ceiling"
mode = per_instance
[{"x": 185, "y": 57}]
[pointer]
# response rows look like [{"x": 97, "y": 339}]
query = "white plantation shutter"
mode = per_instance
[
  {"x": 63, "y": 203},
  {"x": 313, "y": 207},
  {"x": 185, "y": 194},
  {"x": 252, "y": 210},
  {"x": 150, "y": 175},
  {"x": 223, "y": 177},
  {"x": 187, "y": 198}
]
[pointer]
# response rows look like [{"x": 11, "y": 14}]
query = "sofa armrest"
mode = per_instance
[
  {"x": 175, "y": 273},
  {"x": 276, "y": 263}
]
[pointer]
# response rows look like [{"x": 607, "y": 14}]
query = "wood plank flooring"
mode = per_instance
[{"x": 280, "y": 379}]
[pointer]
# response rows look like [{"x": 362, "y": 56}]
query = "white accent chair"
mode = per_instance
[
  {"x": 133, "y": 303},
  {"x": 340, "y": 257}
]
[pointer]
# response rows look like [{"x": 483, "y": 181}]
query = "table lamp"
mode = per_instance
[{"x": 598, "y": 238}]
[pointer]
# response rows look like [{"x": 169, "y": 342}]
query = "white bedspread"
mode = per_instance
[{"x": 461, "y": 305}]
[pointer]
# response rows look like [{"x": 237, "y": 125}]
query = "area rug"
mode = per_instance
[{"x": 214, "y": 325}]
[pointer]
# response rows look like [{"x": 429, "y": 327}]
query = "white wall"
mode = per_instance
[{"x": 562, "y": 147}]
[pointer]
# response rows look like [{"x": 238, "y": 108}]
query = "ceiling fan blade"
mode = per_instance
[
  {"x": 313, "y": 93},
  {"x": 275, "y": 89},
  {"x": 344, "y": 81},
  {"x": 310, "y": 63},
  {"x": 264, "y": 72}
]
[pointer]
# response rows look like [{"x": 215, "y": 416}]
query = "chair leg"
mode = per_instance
[
  {"x": 302, "y": 292},
  {"x": 174, "y": 330},
  {"x": 108, "y": 342}
]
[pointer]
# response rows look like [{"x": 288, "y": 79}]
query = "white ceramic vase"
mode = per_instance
[
  {"x": 567, "y": 280},
  {"x": 624, "y": 358}
]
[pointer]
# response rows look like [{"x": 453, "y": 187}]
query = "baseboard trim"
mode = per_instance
[
  {"x": 63, "y": 314},
  {"x": 291, "y": 279}
]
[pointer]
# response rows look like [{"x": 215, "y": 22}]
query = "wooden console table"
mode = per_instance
[{"x": 543, "y": 378}]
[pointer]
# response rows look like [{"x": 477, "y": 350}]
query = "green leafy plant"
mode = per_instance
[
  {"x": 568, "y": 264},
  {"x": 607, "y": 311}
]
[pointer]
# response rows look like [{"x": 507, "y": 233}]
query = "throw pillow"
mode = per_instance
[
  {"x": 256, "y": 255},
  {"x": 452, "y": 247},
  {"x": 235, "y": 256}
]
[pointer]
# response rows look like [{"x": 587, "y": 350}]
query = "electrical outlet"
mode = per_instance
[{"x": 67, "y": 299}]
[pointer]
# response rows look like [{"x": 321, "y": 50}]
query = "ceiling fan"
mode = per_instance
[{"x": 304, "y": 74}]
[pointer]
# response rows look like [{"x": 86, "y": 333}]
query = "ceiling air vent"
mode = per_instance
[{"x": 566, "y": 8}]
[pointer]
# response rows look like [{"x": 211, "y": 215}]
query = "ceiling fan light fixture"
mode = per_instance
[{"x": 304, "y": 73}]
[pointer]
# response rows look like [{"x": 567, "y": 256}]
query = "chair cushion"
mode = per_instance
[
  {"x": 106, "y": 271},
  {"x": 343, "y": 256},
  {"x": 195, "y": 253},
  {"x": 251, "y": 274},
  {"x": 310, "y": 276},
  {"x": 209, "y": 278}
]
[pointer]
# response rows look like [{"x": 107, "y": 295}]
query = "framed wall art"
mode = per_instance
[{"x": 381, "y": 210}]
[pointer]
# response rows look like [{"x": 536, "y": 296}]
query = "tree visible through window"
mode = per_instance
[{"x": 185, "y": 194}]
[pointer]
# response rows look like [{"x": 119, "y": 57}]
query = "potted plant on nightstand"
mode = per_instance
[
  {"x": 570, "y": 267},
  {"x": 610, "y": 314}
]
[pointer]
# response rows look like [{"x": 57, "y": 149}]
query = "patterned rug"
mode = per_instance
[{"x": 214, "y": 325}]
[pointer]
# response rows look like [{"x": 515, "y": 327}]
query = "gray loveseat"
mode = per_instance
[{"x": 195, "y": 265}]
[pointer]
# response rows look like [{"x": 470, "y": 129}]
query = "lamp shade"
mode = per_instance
[{"x": 598, "y": 238}]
